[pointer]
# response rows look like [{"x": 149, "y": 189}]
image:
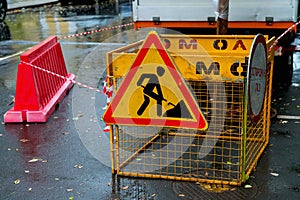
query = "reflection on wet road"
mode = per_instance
[{"x": 32, "y": 26}]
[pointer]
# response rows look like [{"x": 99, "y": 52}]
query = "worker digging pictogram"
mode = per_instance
[
  {"x": 151, "y": 85},
  {"x": 154, "y": 93},
  {"x": 180, "y": 109}
]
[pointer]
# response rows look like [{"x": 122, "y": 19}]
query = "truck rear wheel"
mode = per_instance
[
  {"x": 4, "y": 31},
  {"x": 3, "y": 9}
]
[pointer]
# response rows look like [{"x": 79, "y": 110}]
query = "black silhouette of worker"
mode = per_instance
[{"x": 149, "y": 90}]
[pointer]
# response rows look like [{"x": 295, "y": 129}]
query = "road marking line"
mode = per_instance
[
  {"x": 10, "y": 56},
  {"x": 288, "y": 117}
]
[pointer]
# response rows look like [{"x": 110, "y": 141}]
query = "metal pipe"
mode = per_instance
[{"x": 222, "y": 17}]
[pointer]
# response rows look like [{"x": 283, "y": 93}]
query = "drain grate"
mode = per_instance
[{"x": 192, "y": 190}]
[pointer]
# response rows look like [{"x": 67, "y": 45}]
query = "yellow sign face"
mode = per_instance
[
  {"x": 154, "y": 93},
  {"x": 151, "y": 95}
]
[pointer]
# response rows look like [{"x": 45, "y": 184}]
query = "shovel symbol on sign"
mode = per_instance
[{"x": 179, "y": 111}]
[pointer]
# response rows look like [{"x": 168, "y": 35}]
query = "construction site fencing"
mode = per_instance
[{"x": 215, "y": 68}]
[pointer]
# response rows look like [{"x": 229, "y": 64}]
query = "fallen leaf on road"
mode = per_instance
[
  {"x": 17, "y": 181},
  {"x": 125, "y": 187},
  {"x": 79, "y": 166},
  {"x": 34, "y": 160},
  {"x": 274, "y": 174},
  {"x": 24, "y": 140}
]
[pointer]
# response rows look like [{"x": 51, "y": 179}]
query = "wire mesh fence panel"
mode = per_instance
[{"x": 186, "y": 154}]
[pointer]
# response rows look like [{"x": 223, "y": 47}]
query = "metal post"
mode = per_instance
[
  {"x": 222, "y": 19},
  {"x": 96, "y": 7},
  {"x": 117, "y": 6}
]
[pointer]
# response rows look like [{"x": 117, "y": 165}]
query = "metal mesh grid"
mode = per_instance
[
  {"x": 215, "y": 155},
  {"x": 258, "y": 134},
  {"x": 226, "y": 153}
]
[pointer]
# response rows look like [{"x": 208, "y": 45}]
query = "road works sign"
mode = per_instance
[{"x": 153, "y": 93}]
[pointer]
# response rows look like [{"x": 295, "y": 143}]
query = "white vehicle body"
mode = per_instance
[
  {"x": 268, "y": 17},
  {"x": 197, "y": 13}
]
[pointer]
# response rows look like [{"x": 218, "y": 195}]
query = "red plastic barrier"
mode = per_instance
[{"x": 38, "y": 92}]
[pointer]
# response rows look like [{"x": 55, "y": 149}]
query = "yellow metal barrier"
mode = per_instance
[{"x": 215, "y": 68}]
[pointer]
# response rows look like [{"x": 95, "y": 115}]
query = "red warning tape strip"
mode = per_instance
[
  {"x": 116, "y": 27},
  {"x": 285, "y": 32},
  {"x": 131, "y": 23},
  {"x": 63, "y": 77},
  {"x": 97, "y": 31}
]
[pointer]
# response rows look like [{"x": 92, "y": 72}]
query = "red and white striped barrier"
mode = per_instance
[{"x": 108, "y": 91}]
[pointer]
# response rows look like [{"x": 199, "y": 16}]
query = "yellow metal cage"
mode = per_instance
[{"x": 227, "y": 152}]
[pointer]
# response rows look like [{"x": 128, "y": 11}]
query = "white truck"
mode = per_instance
[{"x": 268, "y": 17}]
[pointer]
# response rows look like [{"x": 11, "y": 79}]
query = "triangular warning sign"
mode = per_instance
[{"x": 153, "y": 93}]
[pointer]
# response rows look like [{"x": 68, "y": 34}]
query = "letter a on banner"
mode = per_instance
[{"x": 153, "y": 93}]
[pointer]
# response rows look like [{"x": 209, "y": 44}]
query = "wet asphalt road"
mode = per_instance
[
  {"x": 52, "y": 160},
  {"x": 67, "y": 157}
]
